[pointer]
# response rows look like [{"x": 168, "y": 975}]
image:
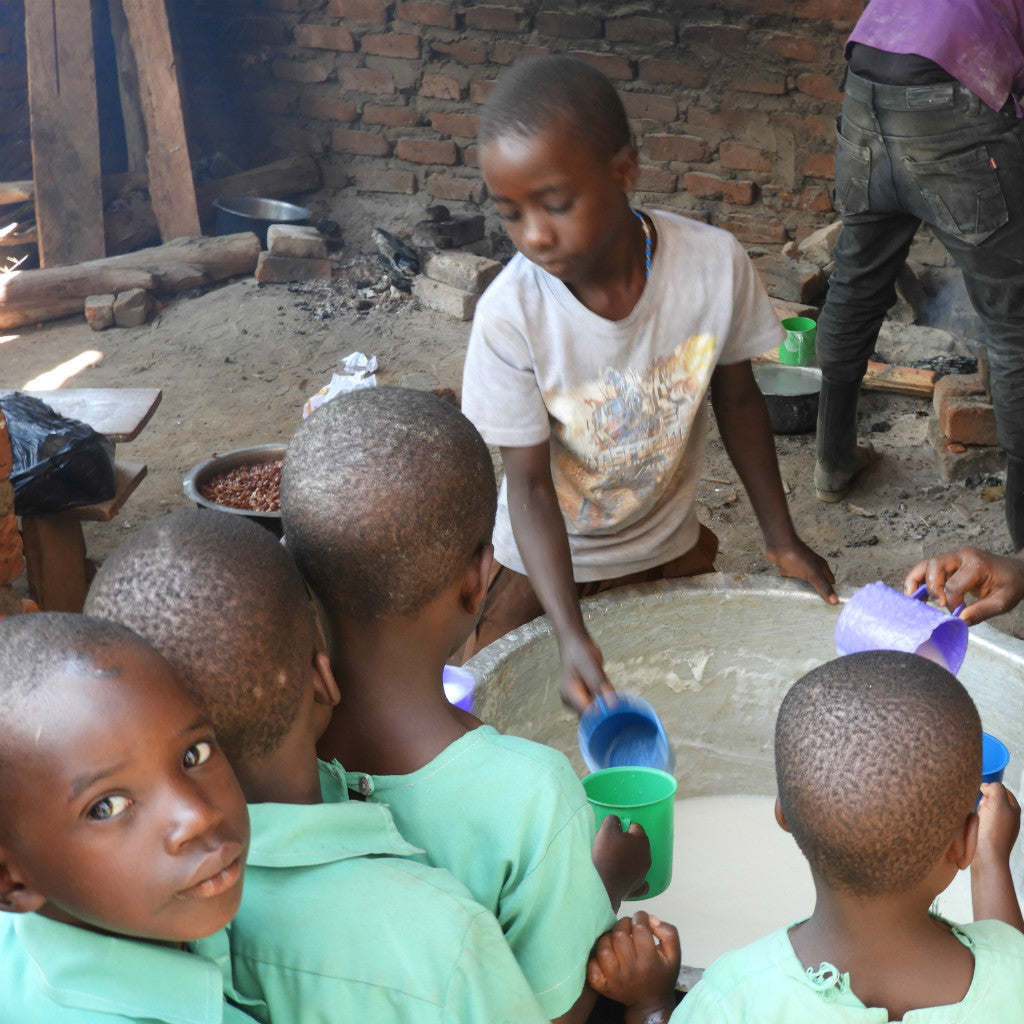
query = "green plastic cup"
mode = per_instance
[
  {"x": 798, "y": 347},
  {"x": 646, "y": 796}
]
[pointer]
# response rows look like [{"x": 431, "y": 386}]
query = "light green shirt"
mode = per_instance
[
  {"x": 337, "y": 924},
  {"x": 766, "y": 983},
  {"x": 54, "y": 973},
  {"x": 509, "y": 818}
]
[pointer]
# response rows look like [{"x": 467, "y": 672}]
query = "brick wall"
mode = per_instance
[{"x": 732, "y": 103}]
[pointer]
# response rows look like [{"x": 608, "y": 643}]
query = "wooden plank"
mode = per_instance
[
  {"x": 16, "y": 192},
  {"x": 128, "y": 476},
  {"x": 128, "y": 88},
  {"x": 170, "y": 172},
  {"x": 118, "y": 413},
  {"x": 55, "y": 561},
  {"x": 900, "y": 380},
  {"x": 65, "y": 131}
]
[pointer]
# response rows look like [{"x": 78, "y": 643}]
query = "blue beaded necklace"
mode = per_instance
[{"x": 647, "y": 243}]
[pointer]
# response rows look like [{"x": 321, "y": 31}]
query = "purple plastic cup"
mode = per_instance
[
  {"x": 458, "y": 687},
  {"x": 878, "y": 618}
]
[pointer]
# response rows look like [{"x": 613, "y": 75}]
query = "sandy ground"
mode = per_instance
[{"x": 237, "y": 362}]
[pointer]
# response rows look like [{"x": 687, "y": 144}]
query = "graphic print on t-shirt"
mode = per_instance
[{"x": 617, "y": 441}]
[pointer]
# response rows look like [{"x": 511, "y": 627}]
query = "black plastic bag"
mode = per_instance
[{"x": 58, "y": 463}]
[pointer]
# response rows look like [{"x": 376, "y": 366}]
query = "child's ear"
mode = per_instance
[
  {"x": 477, "y": 578},
  {"x": 964, "y": 843},
  {"x": 780, "y": 817},
  {"x": 15, "y": 896},
  {"x": 325, "y": 686},
  {"x": 626, "y": 167}
]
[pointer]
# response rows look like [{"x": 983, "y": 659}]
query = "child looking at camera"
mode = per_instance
[
  {"x": 589, "y": 361},
  {"x": 878, "y": 757},
  {"x": 337, "y": 921},
  {"x": 123, "y": 832}
]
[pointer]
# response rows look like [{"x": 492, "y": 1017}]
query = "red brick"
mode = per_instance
[
  {"x": 671, "y": 72},
  {"x": 6, "y": 456},
  {"x": 753, "y": 230},
  {"x": 568, "y": 25},
  {"x": 365, "y": 80},
  {"x": 462, "y": 126},
  {"x": 393, "y": 117},
  {"x": 12, "y": 562},
  {"x": 467, "y": 190},
  {"x": 508, "y": 51},
  {"x": 793, "y": 280},
  {"x": 656, "y": 179},
  {"x": 683, "y": 148},
  {"x": 803, "y": 48},
  {"x": 471, "y": 156},
  {"x": 480, "y": 89},
  {"x": 827, "y": 10},
  {"x": 806, "y": 125},
  {"x": 714, "y": 38},
  {"x": 769, "y": 85},
  {"x": 708, "y": 186},
  {"x": 359, "y": 143},
  {"x": 813, "y": 199},
  {"x": 325, "y": 37},
  {"x": 373, "y": 11},
  {"x": 964, "y": 413},
  {"x": 392, "y": 44},
  {"x": 440, "y": 87},
  {"x": 437, "y": 15},
  {"x": 465, "y": 51},
  {"x": 301, "y": 71},
  {"x": 759, "y": 7},
  {"x": 654, "y": 106},
  {"x": 819, "y": 87},
  {"x": 427, "y": 151},
  {"x": 743, "y": 158},
  {"x": 613, "y": 67},
  {"x": 395, "y": 182},
  {"x": 721, "y": 120},
  {"x": 638, "y": 29},
  {"x": 327, "y": 108},
  {"x": 820, "y": 165},
  {"x": 279, "y": 101},
  {"x": 493, "y": 18},
  {"x": 292, "y": 138}
]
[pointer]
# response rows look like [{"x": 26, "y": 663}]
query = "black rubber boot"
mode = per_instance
[
  {"x": 840, "y": 458},
  {"x": 1015, "y": 500}
]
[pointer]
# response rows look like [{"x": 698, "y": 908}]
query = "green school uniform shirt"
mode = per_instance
[
  {"x": 508, "y": 817},
  {"x": 338, "y": 924},
  {"x": 54, "y": 973},
  {"x": 766, "y": 983}
]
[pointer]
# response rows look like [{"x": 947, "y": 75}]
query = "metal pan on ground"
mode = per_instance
[{"x": 791, "y": 395}]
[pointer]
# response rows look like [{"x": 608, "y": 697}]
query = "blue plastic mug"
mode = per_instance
[{"x": 624, "y": 731}]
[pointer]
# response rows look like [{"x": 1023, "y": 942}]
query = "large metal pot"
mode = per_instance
[
  {"x": 253, "y": 213},
  {"x": 791, "y": 395}
]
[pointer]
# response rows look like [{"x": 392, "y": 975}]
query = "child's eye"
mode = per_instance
[
  {"x": 560, "y": 208},
  {"x": 199, "y": 753},
  {"x": 109, "y": 807}
]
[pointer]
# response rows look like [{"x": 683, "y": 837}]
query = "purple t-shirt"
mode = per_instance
[{"x": 979, "y": 42}]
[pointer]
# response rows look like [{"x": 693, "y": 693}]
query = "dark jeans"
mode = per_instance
[{"x": 937, "y": 154}]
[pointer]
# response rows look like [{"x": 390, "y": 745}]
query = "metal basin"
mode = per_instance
[
  {"x": 202, "y": 473},
  {"x": 791, "y": 395},
  {"x": 253, "y": 213}
]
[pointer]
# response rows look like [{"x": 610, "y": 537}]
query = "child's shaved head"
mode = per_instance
[
  {"x": 878, "y": 759},
  {"x": 538, "y": 93},
  {"x": 386, "y": 494},
  {"x": 221, "y": 599}
]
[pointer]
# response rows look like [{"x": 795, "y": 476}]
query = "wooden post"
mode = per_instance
[
  {"x": 128, "y": 89},
  {"x": 65, "y": 130},
  {"x": 170, "y": 172}
]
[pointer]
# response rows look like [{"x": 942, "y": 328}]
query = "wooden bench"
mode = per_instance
[{"x": 55, "y": 557}]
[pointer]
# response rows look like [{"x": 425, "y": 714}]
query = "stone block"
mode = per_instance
[
  {"x": 461, "y": 230},
  {"x": 958, "y": 461},
  {"x": 133, "y": 307},
  {"x": 793, "y": 280},
  {"x": 954, "y": 387},
  {"x": 964, "y": 412},
  {"x": 461, "y": 270},
  {"x": 296, "y": 240},
  {"x": 99, "y": 311},
  {"x": 787, "y": 309},
  {"x": 288, "y": 269},
  {"x": 444, "y": 298}
]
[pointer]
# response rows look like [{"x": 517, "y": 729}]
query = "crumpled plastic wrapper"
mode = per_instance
[{"x": 358, "y": 371}]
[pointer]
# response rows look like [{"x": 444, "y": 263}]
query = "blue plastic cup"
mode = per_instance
[
  {"x": 994, "y": 758},
  {"x": 624, "y": 731}
]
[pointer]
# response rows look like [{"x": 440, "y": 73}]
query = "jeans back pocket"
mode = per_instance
[{"x": 853, "y": 172}]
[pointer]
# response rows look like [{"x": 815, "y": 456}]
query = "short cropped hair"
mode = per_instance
[
  {"x": 878, "y": 759},
  {"x": 386, "y": 494},
  {"x": 222, "y": 601},
  {"x": 39, "y": 647},
  {"x": 538, "y": 93}
]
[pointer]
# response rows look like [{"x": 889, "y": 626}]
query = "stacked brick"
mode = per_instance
[
  {"x": 12, "y": 562},
  {"x": 963, "y": 427},
  {"x": 294, "y": 252},
  {"x": 453, "y": 281},
  {"x": 732, "y": 105}
]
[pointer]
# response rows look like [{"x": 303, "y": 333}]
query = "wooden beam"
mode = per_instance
[
  {"x": 65, "y": 130},
  {"x": 170, "y": 172},
  {"x": 128, "y": 88},
  {"x": 900, "y": 380}
]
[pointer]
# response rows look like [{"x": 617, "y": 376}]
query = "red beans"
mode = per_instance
[{"x": 256, "y": 488}]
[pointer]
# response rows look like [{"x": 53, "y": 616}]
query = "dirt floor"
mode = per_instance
[{"x": 237, "y": 362}]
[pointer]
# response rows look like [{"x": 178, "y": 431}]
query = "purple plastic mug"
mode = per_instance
[
  {"x": 458, "y": 687},
  {"x": 878, "y": 618}
]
